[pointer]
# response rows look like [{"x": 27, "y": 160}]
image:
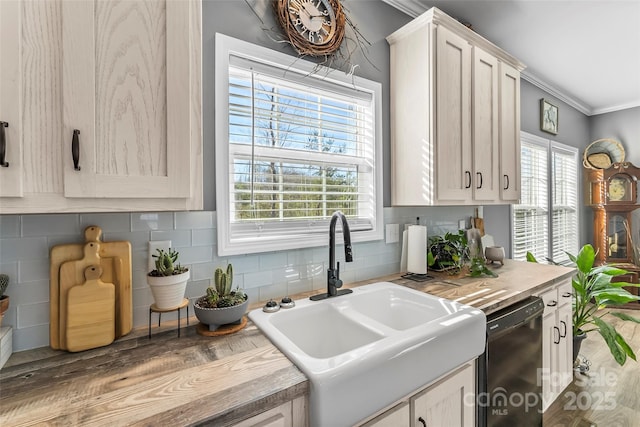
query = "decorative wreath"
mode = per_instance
[{"x": 300, "y": 43}]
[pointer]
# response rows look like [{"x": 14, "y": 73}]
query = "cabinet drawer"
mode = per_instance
[
  {"x": 550, "y": 299},
  {"x": 565, "y": 291}
]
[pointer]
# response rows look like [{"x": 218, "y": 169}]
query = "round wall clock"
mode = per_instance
[{"x": 313, "y": 27}]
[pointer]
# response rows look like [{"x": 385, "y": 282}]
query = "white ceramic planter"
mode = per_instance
[{"x": 168, "y": 291}]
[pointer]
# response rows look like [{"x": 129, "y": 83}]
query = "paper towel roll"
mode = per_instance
[{"x": 417, "y": 249}]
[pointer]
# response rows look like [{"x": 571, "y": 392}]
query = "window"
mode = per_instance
[
  {"x": 545, "y": 222},
  {"x": 293, "y": 145}
]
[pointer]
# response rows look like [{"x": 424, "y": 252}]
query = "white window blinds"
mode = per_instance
[
  {"x": 531, "y": 216},
  {"x": 299, "y": 147},
  {"x": 564, "y": 224},
  {"x": 545, "y": 223}
]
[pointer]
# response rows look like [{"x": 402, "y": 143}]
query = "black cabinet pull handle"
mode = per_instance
[
  {"x": 480, "y": 175},
  {"x": 468, "y": 179},
  {"x": 552, "y": 303},
  {"x": 555, "y": 328},
  {"x": 3, "y": 144},
  {"x": 507, "y": 181},
  {"x": 75, "y": 149},
  {"x": 564, "y": 326},
  {"x": 566, "y": 294},
  {"x": 421, "y": 420}
]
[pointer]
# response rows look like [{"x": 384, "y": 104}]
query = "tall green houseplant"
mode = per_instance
[
  {"x": 594, "y": 291},
  {"x": 593, "y": 283}
]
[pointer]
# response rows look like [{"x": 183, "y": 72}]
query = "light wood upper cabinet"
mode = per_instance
[
  {"x": 127, "y": 76},
  {"x": 485, "y": 126},
  {"x": 455, "y": 116},
  {"x": 509, "y": 133},
  {"x": 11, "y": 166}
]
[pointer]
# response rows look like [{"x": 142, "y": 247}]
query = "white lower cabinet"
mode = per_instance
[
  {"x": 290, "y": 414},
  {"x": 449, "y": 401},
  {"x": 557, "y": 342}
]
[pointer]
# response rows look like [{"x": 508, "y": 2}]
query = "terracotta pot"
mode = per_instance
[
  {"x": 577, "y": 343},
  {"x": 216, "y": 317},
  {"x": 168, "y": 291}
]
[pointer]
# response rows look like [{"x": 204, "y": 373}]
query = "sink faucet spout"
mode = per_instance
[{"x": 333, "y": 273}]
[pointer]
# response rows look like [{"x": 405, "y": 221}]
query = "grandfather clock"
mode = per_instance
[{"x": 613, "y": 195}]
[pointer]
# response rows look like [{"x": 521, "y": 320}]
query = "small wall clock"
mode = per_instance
[{"x": 313, "y": 27}]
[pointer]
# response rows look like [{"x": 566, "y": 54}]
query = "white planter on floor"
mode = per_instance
[{"x": 168, "y": 291}]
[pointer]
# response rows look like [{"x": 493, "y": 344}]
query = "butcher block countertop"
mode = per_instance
[{"x": 193, "y": 379}]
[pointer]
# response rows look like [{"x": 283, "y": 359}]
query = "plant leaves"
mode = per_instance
[
  {"x": 625, "y": 316},
  {"x": 624, "y": 346},
  {"x": 613, "y": 296},
  {"x": 586, "y": 257},
  {"x": 608, "y": 333},
  {"x": 531, "y": 258}
]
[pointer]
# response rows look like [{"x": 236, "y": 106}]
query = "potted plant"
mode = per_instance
[
  {"x": 4, "y": 299},
  {"x": 594, "y": 283},
  {"x": 221, "y": 306},
  {"x": 168, "y": 281},
  {"x": 448, "y": 252},
  {"x": 593, "y": 291}
]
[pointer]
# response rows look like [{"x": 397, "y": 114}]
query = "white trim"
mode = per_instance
[
  {"x": 227, "y": 47},
  {"x": 556, "y": 93}
]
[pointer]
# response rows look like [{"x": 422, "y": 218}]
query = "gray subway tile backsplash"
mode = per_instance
[{"x": 25, "y": 241}]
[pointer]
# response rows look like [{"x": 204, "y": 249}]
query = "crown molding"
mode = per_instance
[
  {"x": 556, "y": 93},
  {"x": 616, "y": 108},
  {"x": 409, "y": 7}
]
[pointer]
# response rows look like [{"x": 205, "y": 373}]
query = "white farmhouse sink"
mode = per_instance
[{"x": 366, "y": 350}]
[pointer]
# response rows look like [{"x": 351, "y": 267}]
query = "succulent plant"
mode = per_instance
[
  {"x": 221, "y": 295},
  {"x": 223, "y": 281},
  {"x": 166, "y": 263},
  {"x": 4, "y": 282}
]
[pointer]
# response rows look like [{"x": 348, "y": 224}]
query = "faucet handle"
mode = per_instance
[{"x": 338, "y": 282}]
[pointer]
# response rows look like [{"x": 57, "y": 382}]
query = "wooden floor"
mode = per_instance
[{"x": 609, "y": 394}]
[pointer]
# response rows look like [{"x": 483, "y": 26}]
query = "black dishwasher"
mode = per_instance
[{"x": 509, "y": 392}]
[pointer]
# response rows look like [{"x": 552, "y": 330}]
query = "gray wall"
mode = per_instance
[
  {"x": 374, "y": 19},
  {"x": 623, "y": 126}
]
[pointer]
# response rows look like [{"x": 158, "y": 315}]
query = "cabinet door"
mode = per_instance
[
  {"x": 565, "y": 348},
  {"x": 11, "y": 168},
  {"x": 126, "y": 74},
  {"x": 398, "y": 416},
  {"x": 289, "y": 414},
  {"x": 449, "y": 402},
  {"x": 453, "y": 117},
  {"x": 485, "y": 126},
  {"x": 509, "y": 134},
  {"x": 548, "y": 356}
]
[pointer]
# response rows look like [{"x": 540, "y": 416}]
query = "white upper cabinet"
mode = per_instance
[
  {"x": 485, "y": 127},
  {"x": 11, "y": 167},
  {"x": 455, "y": 116},
  {"x": 509, "y": 134},
  {"x": 112, "y": 109}
]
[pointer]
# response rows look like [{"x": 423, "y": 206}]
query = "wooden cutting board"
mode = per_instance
[
  {"x": 116, "y": 266},
  {"x": 72, "y": 274},
  {"x": 91, "y": 308}
]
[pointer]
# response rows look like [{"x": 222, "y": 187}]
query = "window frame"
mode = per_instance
[
  {"x": 295, "y": 238},
  {"x": 551, "y": 147}
]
